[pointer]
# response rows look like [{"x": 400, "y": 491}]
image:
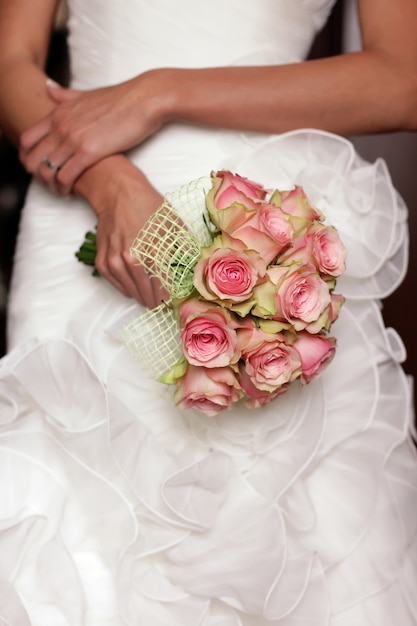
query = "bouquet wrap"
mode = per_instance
[{"x": 251, "y": 276}]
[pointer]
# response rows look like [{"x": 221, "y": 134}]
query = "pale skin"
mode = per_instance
[{"x": 86, "y": 133}]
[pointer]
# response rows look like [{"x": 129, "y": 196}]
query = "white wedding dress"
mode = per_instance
[{"x": 115, "y": 507}]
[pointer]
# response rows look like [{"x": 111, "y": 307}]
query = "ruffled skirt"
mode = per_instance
[{"x": 117, "y": 508}]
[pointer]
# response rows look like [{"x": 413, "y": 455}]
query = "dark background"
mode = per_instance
[{"x": 398, "y": 149}]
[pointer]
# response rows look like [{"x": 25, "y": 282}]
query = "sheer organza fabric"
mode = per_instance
[{"x": 117, "y": 508}]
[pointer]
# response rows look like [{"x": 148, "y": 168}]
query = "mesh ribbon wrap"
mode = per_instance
[
  {"x": 168, "y": 246},
  {"x": 177, "y": 239},
  {"x": 189, "y": 201},
  {"x": 168, "y": 250},
  {"x": 153, "y": 339}
]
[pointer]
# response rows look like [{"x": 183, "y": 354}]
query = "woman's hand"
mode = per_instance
[
  {"x": 123, "y": 200},
  {"x": 87, "y": 126}
]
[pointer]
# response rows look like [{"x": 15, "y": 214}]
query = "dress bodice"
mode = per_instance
[{"x": 106, "y": 47}]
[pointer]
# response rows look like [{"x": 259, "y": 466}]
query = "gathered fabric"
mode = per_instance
[{"x": 116, "y": 507}]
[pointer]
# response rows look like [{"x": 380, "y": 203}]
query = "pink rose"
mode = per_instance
[
  {"x": 302, "y": 297},
  {"x": 255, "y": 397},
  {"x": 232, "y": 199},
  {"x": 207, "y": 390},
  {"x": 227, "y": 272},
  {"x": 296, "y": 205},
  {"x": 269, "y": 362},
  {"x": 295, "y": 202},
  {"x": 321, "y": 246},
  {"x": 329, "y": 251},
  {"x": 267, "y": 230},
  {"x": 336, "y": 301},
  {"x": 208, "y": 336},
  {"x": 301, "y": 251},
  {"x": 316, "y": 352},
  {"x": 229, "y": 188}
]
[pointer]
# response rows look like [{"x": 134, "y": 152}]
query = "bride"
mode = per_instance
[{"x": 117, "y": 507}]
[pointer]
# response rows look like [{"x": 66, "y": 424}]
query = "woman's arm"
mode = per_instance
[
  {"x": 372, "y": 90},
  {"x": 368, "y": 91},
  {"x": 118, "y": 192},
  {"x": 25, "y": 31}
]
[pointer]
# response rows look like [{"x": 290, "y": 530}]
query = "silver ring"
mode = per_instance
[{"x": 51, "y": 165}]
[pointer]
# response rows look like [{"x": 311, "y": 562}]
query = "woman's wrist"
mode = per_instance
[
  {"x": 103, "y": 183},
  {"x": 165, "y": 87},
  {"x": 201, "y": 96}
]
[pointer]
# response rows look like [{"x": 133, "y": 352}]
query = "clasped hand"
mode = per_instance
[
  {"x": 86, "y": 126},
  {"x": 125, "y": 203},
  {"x": 77, "y": 148}
]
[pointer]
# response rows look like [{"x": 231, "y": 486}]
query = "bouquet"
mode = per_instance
[{"x": 251, "y": 275}]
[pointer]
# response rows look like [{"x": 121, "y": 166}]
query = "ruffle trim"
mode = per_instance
[
  {"x": 114, "y": 515},
  {"x": 356, "y": 196}
]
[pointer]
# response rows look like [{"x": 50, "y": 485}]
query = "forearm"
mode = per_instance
[
  {"x": 24, "y": 98},
  {"x": 347, "y": 94},
  {"x": 27, "y": 102}
]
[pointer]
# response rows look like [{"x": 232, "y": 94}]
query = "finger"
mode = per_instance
[
  {"x": 159, "y": 294},
  {"x": 47, "y": 173},
  {"x": 35, "y": 134},
  {"x": 73, "y": 165},
  {"x": 111, "y": 278},
  {"x": 149, "y": 289},
  {"x": 111, "y": 266},
  {"x": 37, "y": 163},
  {"x": 60, "y": 94},
  {"x": 65, "y": 158},
  {"x": 145, "y": 292},
  {"x": 138, "y": 284}
]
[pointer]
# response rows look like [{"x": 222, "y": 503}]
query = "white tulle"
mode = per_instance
[{"x": 117, "y": 508}]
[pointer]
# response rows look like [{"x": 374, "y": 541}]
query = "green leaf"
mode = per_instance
[{"x": 87, "y": 252}]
